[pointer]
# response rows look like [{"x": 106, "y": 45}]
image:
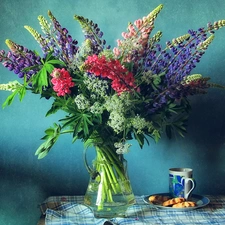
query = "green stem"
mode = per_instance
[
  {"x": 113, "y": 158},
  {"x": 112, "y": 174},
  {"x": 108, "y": 172}
]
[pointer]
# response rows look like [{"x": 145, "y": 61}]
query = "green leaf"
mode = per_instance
[
  {"x": 173, "y": 111},
  {"x": 49, "y": 56},
  {"x": 52, "y": 135},
  {"x": 85, "y": 126},
  {"x": 77, "y": 128},
  {"x": 69, "y": 121},
  {"x": 49, "y": 131},
  {"x": 156, "y": 80},
  {"x": 22, "y": 92},
  {"x": 57, "y": 62},
  {"x": 40, "y": 80},
  {"x": 172, "y": 105},
  {"x": 10, "y": 99},
  {"x": 58, "y": 104},
  {"x": 41, "y": 155},
  {"x": 53, "y": 110},
  {"x": 156, "y": 135},
  {"x": 88, "y": 121},
  {"x": 40, "y": 149},
  {"x": 139, "y": 138},
  {"x": 26, "y": 69},
  {"x": 49, "y": 67}
]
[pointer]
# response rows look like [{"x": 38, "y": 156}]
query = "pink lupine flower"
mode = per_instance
[
  {"x": 138, "y": 23},
  {"x": 119, "y": 42},
  {"x": 116, "y": 51},
  {"x": 62, "y": 81},
  {"x": 132, "y": 30},
  {"x": 122, "y": 79},
  {"x": 125, "y": 35}
]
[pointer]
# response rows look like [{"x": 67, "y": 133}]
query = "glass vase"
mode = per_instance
[{"x": 109, "y": 192}]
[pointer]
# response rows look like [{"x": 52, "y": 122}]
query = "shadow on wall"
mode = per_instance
[
  {"x": 23, "y": 189},
  {"x": 20, "y": 195},
  {"x": 206, "y": 127},
  {"x": 206, "y": 132}
]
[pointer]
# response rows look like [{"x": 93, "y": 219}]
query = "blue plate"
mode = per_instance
[{"x": 200, "y": 201}]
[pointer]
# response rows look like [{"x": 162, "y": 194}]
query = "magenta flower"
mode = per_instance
[
  {"x": 122, "y": 79},
  {"x": 62, "y": 81}
]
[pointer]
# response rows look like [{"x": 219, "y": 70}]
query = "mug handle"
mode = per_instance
[{"x": 186, "y": 180}]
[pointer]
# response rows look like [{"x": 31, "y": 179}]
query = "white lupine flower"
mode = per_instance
[{"x": 11, "y": 86}]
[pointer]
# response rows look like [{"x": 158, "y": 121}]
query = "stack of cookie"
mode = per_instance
[{"x": 171, "y": 202}]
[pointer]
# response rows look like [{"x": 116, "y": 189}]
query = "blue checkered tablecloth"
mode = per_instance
[{"x": 69, "y": 210}]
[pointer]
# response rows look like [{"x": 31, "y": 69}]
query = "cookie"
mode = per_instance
[
  {"x": 158, "y": 199},
  {"x": 184, "y": 204},
  {"x": 173, "y": 201}
]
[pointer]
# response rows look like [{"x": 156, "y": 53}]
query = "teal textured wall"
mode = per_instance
[{"x": 26, "y": 181}]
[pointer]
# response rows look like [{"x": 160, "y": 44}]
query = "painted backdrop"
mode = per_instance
[{"x": 26, "y": 181}]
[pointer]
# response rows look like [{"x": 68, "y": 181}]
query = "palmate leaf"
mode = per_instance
[
  {"x": 52, "y": 135},
  {"x": 66, "y": 105},
  {"x": 40, "y": 80},
  {"x": 9, "y": 99},
  {"x": 80, "y": 122},
  {"x": 55, "y": 107},
  {"x": 68, "y": 121},
  {"x": 20, "y": 91}
]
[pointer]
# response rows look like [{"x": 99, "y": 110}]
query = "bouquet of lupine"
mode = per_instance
[{"x": 137, "y": 89}]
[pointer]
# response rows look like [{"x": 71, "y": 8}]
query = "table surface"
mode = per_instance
[{"x": 69, "y": 210}]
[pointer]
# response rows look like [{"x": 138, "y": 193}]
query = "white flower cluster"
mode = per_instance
[
  {"x": 116, "y": 121},
  {"x": 97, "y": 86},
  {"x": 98, "y": 90},
  {"x": 117, "y": 106},
  {"x": 82, "y": 102},
  {"x": 97, "y": 108},
  {"x": 122, "y": 148},
  {"x": 140, "y": 124}
]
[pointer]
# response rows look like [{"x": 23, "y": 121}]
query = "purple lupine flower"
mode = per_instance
[
  {"x": 93, "y": 33},
  {"x": 65, "y": 48},
  {"x": 176, "y": 62},
  {"x": 19, "y": 58}
]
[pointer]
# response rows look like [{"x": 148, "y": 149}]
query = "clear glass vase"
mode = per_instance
[{"x": 109, "y": 192}]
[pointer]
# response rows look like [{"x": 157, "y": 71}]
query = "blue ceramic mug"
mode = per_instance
[{"x": 181, "y": 183}]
